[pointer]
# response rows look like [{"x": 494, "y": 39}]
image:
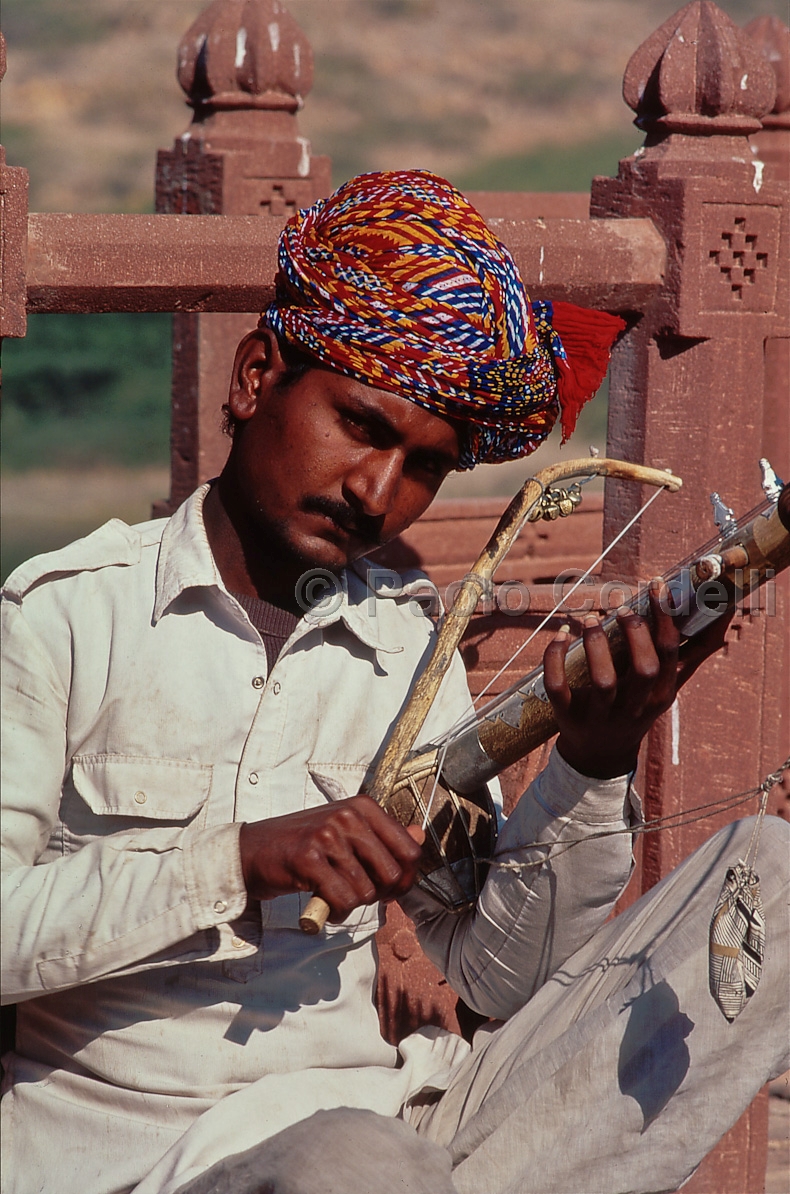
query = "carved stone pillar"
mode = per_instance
[
  {"x": 245, "y": 66},
  {"x": 13, "y": 240},
  {"x": 687, "y": 392},
  {"x": 771, "y": 145}
]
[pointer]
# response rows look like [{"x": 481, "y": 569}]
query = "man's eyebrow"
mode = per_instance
[
  {"x": 367, "y": 409},
  {"x": 363, "y": 406}
]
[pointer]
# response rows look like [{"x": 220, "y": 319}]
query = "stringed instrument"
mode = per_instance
[{"x": 441, "y": 786}]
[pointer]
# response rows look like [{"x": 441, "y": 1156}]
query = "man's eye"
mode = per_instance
[
  {"x": 358, "y": 425},
  {"x": 366, "y": 431}
]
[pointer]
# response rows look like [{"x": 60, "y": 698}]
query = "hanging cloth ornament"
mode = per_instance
[
  {"x": 736, "y": 947},
  {"x": 737, "y": 941}
]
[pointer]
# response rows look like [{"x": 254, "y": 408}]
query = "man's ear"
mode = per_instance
[{"x": 256, "y": 369}]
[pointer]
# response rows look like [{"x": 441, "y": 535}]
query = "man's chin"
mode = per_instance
[
  {"x": 332, "y": 555},
  {"x": 318, "y": 552},
  {"x": 298, "y": 550}
]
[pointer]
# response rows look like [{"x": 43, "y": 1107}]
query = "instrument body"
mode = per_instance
[{"x": 460, "y": 832}]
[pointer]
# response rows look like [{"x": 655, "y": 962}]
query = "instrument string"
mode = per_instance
[
  {"x": 655, "y": 825},
  {"x": 462, "y": 724},
  {"x": 559, "y": 604}
]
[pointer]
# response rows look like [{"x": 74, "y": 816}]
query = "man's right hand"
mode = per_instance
[{"x": 349, "y": 852}]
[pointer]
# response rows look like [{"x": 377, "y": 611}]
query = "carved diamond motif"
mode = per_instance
[
  {"x": 738, "y": 258},
  {"x": 740, "y": 247}
]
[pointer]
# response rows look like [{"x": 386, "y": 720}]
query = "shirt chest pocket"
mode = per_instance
[
  {"x": 327, "y": 782},
  {"x": 122, "y": 793}
]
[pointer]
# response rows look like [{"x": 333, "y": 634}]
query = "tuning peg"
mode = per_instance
[
  {"x": 772, "y": 485},
  {"x": 722, "y": 515}
]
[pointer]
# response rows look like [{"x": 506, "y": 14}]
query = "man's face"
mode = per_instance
[{"x": 327, "y": 468}]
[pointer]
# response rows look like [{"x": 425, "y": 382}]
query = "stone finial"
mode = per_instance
[
  {"x": 772, "y": 37},
  {"x": 245, "y": 54},
  {"x": 699, "y": 73}
]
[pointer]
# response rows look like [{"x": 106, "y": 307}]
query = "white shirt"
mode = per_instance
[{"x": 142, "y": 729}]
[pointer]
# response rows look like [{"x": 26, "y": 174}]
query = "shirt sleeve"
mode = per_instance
[
  {"x": 122, "y": 902},
  {"x": 544, "y": 897}
]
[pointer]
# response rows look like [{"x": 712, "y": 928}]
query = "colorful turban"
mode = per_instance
[{"x": 397, "y": 281}]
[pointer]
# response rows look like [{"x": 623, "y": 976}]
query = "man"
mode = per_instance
[{"x": 176, "y": 729}]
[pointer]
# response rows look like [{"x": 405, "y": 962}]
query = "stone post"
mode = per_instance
[
  {"x": 13, "y": 240},
  {"x": 245, "y": 66},
  {"x": 771, "y": 145},
  {"x": 687, "y": 392}
]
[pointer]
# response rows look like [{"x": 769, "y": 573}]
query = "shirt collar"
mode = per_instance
[
  {"x": 186, "y": 561},
  {"x": 352, "y": 602}
]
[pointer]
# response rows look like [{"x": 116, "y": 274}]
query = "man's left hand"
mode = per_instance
[{"x": 603, "y": 723}]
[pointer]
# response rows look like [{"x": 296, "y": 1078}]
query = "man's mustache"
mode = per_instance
[{"x": 354, "y": 522}]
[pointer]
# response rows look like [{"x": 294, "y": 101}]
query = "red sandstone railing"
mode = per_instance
[{"x": 690, "y": 243}]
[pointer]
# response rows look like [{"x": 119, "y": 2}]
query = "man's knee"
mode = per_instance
[
  {"x": 775, "y": 836},
  {"x": 334, "y": 1152}
]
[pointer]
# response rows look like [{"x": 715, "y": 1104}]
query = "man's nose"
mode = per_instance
[{"x": 374, "y": 483}]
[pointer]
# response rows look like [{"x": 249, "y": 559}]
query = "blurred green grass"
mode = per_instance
[
  {"x": 87, "y": 390},
  {"x": 552, "y": 167},
  {"x": 85, "y": 427}
]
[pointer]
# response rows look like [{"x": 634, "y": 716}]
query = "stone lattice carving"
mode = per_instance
[{"x": 742, "y": 245}]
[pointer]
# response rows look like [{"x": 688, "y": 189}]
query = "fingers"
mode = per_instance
[
  {"x": 350, "y": 853},
  {"x": 600, "y": 665},
  {"x": 341, "y": 889},
  {"x": 603, "y": 722},
  {"x": 653, "y": 653},
  {"x": 371, "y": 856},
  {"x": 666, "y": 636},
  {"x": 555, "y": 681},
  {"x": 403, "y": 845}
]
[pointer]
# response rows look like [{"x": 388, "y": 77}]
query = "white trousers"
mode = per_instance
[{"x": 617, "y": 1077}]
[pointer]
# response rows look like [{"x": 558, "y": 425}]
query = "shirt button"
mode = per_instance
[
  {"x": 220, "y": 907},
  {"x": 140, "y": 797},
  {"x": 258, "y": 681},
  {"x": 238, "y": 943},
  {"x": 253, "y": 777},
  {"x": 276, "y": 687}
]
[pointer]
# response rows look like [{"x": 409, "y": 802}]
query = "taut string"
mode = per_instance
[
  {"x": 466, "y": 720},
  {"x": 656, "y": 824}
]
